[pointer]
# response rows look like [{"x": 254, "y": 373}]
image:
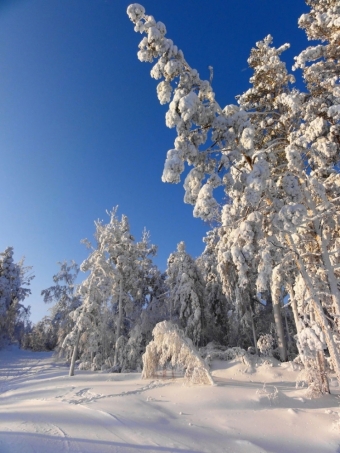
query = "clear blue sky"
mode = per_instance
[{"x": 81, "y": 129}]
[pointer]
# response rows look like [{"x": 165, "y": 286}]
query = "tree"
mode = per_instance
[
  {"x": 257, "y": 185},
  {"x": 65, "y": 299},
  {"x": 171, "y": 345},
  {"x": 276, "y": 154},
  {"x": 186, "y": 293},
  {"x": 41, "y": 337},
  {"x": 13, "y": 280},
  {"x": 89, "y": 318},
  {"x": 217, "y": 308},
  {"x": 316, "y": 141},
  {"x": 118, "y": 288},
  {"x": 198, "y": 120}
]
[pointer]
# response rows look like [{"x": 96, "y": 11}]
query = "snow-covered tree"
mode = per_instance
[
  {"x": 238, "y": 151},
  {"x": 41, "y": 337},
  {"x": 170, "y": 345},
  {"x": 152, "y": 309},
  {"x": 121, "y": 283},
  {"x": 89, "y": 318},
  {"x": 64, "y": 298},
  {"x": 131, "y": 270},
  {"x": 316, "y": 143},
  {"x": 186, "y": 292},
  {"x": 277, "y": 156},
  {"x": 217, "y": 308},
  {"x": 192, "y": 110},
  {"x": 145, "y": 310},
  {"x": 14, "y": 279}
]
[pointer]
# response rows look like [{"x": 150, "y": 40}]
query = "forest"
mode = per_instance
[{"x": 264, "y": 174}]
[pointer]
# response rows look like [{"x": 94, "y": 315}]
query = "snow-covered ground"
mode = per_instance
[{"x": 42, "y": 410}]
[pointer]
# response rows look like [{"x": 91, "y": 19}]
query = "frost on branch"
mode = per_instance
[
  {"x": 291, "y": 216},
  {"x": 192, "y": 185},
  {"x": 192, "y": 111},
  {"x": 206, "y": 206},
  {"x": 173, "y": 166},
  {"x": 164, "y": 90},
  {"x": 188, "y": 106},
  {"x": 170, "y": 345},
  {"x": 135, "y": 12},
  {"x": 256, "y": 182}
]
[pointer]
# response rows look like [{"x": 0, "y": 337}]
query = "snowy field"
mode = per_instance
[{"x": 44, "y": 411}]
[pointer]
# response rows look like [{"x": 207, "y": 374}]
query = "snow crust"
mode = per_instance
[{"x": 43, "y": 410}]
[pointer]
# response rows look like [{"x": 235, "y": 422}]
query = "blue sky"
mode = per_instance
[{"x": 81, "y": 129}]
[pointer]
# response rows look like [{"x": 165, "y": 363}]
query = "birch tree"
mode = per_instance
[{"x": 63, "y": 295}]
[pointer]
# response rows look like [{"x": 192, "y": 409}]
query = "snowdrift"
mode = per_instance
[{"x": 43, "y": 410}]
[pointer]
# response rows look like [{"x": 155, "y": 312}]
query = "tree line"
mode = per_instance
[{"x": 268, "y": 278}]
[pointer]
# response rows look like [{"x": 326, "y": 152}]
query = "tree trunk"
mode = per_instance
[
  {"x": 279, "y": 329},
  {"x": 320, "y": 358},
  {"x": 289, "y": 340},
  {"x": 74, "y": 355},
  {"x": 276, "y": 293},
  {"x": 294, "y": 308},
  {"x": 120, "y": 317},
  {"x": 254, "y": 331}
]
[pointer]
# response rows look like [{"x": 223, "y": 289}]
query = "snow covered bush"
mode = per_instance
[
  {"x": 84, "y": 366},
  {"x": 311, "y": 344},
  {"x": 272, "y": 394},
  {"x": 217, "y": 352},
  {"x": 265, "y": 344},
  {"x": 171, "y": 345}
]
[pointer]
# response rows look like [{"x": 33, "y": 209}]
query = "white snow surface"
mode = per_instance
[{"x": 43, "y": 410}]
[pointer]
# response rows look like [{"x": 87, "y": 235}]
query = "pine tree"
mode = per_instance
[
  {"x": 14, "y": 277},
  {"x": 186, "y": 289},
  {"x": 216, "y": 305}
]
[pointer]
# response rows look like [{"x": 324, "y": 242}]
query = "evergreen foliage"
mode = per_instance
[{"x": 14, "y": 281}]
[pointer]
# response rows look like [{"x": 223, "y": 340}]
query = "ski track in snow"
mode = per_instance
[
  {"x": 86, "y": 396},
  {"x": 43, "y": 410}
]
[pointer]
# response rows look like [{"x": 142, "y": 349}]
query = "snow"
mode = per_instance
[{"x": 43, "y": 410}]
